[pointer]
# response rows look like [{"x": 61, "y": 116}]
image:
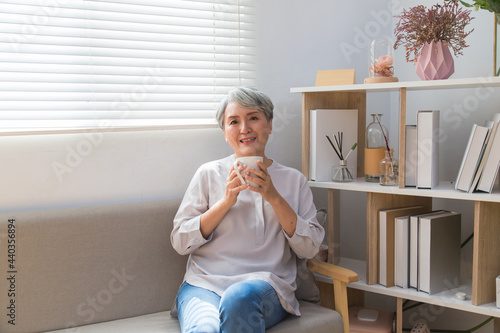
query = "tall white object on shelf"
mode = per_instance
[
  {"x": 322, "y": 156},
  {"x": 427, "y": 148},
  {"x": 411, "y": 156}
]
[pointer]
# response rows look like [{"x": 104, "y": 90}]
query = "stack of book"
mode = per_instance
[
  {"x": 419, "y": 249},
  {"x": 481, "y": 159},
  {"x": 422, "y": 151}
]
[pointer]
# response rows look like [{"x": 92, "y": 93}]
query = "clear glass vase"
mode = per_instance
[
  {"x": 375, "y": 147},
  {"x": 381, "y": 61},
  {"x": 389, "y": 166},
  {"x": 341, "y": 173}
]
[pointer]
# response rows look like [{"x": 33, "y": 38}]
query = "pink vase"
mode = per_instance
[{"x": 435, "y": 61}]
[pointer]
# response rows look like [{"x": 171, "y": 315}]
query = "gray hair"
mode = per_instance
[{"x": 249, "y": 98}]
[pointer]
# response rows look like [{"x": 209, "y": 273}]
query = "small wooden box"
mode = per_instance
[{"x": 335, "y": 77}]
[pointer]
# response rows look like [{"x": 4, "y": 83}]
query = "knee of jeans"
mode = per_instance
[
  {"x": 245, "y": 289},
  {"x": 237, "y": 291}
]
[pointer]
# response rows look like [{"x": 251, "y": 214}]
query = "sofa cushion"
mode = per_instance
[
  {"x": 315, "y": 319},
  {"x": 79, "y": 266},
  {"x": 160, "y": 322}
]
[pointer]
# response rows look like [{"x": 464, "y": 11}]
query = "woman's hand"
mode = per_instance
[
  {"x": 212, "y": 217},
  {"x": 234, "y": 186},
  {"x": 285, "y": 214},
  {"x": 263, "y": 179}
]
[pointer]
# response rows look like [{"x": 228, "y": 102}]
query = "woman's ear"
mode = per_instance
[{"x": 270, "y": 127}]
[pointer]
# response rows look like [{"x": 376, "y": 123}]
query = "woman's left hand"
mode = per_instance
[
  {"x": 262, "y": 178},
  {"x": 285, "y": 214}
]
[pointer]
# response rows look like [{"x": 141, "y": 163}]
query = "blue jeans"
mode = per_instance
[{"x": 248, "y": 306}]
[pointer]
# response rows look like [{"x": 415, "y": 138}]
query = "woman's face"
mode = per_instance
[{"x": 246, "y": 130}]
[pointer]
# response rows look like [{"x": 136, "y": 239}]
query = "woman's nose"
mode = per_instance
[{"x": 245, "y": 127}]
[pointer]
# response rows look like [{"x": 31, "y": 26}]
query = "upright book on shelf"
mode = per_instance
[
  {"x": 411, "y": 156},
  {"x": 402, "y": 251},
  {"x": 387, "y": 241},
  {"x": 322, "y": 156},
  {"x": 472, "y": 157},
  {"x": 439, "y": 252},
  {"x": 493, "y": 128},
  {"x": 427, "y": 148},
  {"x": 492, "y": 162},
  {"x": 414, "y": 243}
]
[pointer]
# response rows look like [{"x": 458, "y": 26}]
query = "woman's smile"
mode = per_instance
[{"x": 248, "y": 140}]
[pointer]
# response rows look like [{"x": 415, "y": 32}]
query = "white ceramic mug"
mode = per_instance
[{"x": 251, "y": 163}]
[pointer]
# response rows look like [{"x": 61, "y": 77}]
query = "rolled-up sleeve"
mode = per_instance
[
  {"x": 186, "y": 236},
  {"x": 309, "y": 234}
]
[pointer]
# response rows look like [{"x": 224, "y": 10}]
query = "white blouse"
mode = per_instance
[{"x": 249, "y": 242}]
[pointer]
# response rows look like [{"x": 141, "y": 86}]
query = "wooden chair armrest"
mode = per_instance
[
  {"x": 335, "y": 272},
  {"x": 341, "y": 276}
]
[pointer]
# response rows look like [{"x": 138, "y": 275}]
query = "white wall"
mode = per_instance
[
  {"x": 82, "y": 169},
  {"x": 296, "y": 39}
]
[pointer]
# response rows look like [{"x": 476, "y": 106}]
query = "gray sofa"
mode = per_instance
[{"x": 106, "y": 268}]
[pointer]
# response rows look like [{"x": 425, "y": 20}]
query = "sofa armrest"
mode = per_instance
[{"x": 341, "y": 276}]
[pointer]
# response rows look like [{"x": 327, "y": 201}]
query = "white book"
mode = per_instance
[
  {"x": 439, "y": 252},
  {"x": 493, "y": 126},
  {"x": 471, "y": 158},
  {"x": 491, "y": 164},
  {"x": 427, "y": 148},
  {"x": 411, "y": 156},
  {"x": 414, "y": 239},
  {"x": 387, "y": 248},
  {"x": 402, "y": 248},
  {"x": 322, "y": 156}
]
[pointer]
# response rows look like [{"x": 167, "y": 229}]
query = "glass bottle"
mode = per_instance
[
  {"x": 389, "y": 170},
  {"x": 375, "y": 147}
]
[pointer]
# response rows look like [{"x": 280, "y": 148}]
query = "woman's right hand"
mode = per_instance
[
  {"x": 212, "y": 217},
  {"x": 234, "y": 186}
]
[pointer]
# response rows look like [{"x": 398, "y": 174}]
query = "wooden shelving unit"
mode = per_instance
[{"x": 486, "y": 257}]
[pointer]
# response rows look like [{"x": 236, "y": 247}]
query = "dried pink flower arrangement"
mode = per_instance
[
  {"x": 382, "y": 67},
  {"x": 419, "y": 25}
]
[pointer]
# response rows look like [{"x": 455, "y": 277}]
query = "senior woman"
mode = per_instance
[{"x": 243, "y": 240}]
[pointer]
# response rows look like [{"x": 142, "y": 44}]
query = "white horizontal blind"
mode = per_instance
[{"x": 80, "y": 64}]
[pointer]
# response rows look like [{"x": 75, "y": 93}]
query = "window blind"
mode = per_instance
[{"x": 78, "y": 64}]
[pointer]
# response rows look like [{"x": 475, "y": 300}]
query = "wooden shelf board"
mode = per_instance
[
  {"x": 446, "y": 298},
  {"x": 445, "y": 190},
  {"x": 409, "y": 85}
]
